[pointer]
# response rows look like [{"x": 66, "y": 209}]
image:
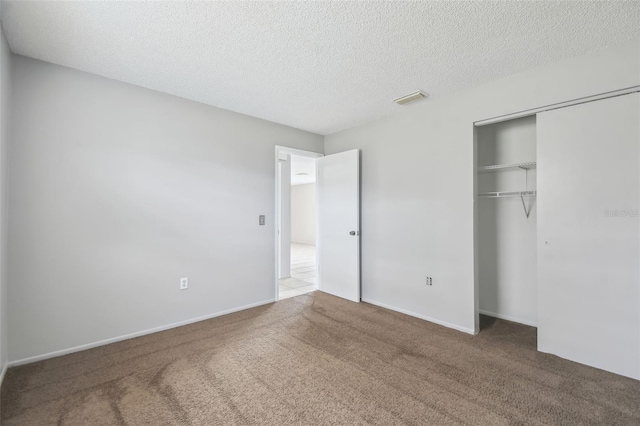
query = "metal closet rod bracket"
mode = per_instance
[
  {"x": 526, "y": 212},
  {"x": 526, "y": 185}
]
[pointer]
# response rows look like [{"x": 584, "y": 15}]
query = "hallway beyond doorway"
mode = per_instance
[{"x": 304, "y": 275}]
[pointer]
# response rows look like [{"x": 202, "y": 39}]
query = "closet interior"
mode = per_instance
[{"x": 506, "y": 219}]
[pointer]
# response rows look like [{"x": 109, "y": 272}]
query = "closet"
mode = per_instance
[
  {"x": 557, "y": 228},
  {"x": 506, "y": 220}
]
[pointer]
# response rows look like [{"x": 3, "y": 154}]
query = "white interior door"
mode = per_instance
[
  {"x": 588, "y": 233},
  {"x": 338, "y": 193}
]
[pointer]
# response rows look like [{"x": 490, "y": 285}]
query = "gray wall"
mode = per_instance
[
  {"x": 117, "y": 192},
  {"x": 5, "y": 92},
  {"x": 418, "y": 182}
]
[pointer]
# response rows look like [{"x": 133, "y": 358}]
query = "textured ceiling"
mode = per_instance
[{"x": 318, "y": 66}]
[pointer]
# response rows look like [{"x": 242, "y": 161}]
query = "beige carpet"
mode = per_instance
[{"x": 316, "y": 359}]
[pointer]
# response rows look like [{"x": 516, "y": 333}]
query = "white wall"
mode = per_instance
[
  {"x": 303, "y": 213},
  {"x": 5, "y": 92},
  {"x": 418, "y": 182},
  {"x": 506, "y": 237},
  {"x": 118, "y": 191}
]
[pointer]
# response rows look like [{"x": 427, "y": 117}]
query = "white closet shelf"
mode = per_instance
[
  {"x": 508, "y": 194},
  {"x": 507, "y": 167}
]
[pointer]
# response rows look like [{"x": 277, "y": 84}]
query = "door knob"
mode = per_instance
[{"x": 354, "y": 233}]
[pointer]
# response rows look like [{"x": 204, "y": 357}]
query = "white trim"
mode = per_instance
[
  {"x": 508, "y": 318},
  {"x": 298, "y": 152},
  {"x": 572, "y": 102},
  {"x": 423, "y": 317},
  {"x": 79, "y": 348},
  {"x": 301, "y": 153}
]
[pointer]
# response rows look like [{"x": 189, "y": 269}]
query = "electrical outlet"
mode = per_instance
[
  {"x": 184, "y": 283},
  {"x": 429, "y": 281}
]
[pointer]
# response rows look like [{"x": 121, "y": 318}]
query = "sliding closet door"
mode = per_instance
[{"x": 589, "y": 234}]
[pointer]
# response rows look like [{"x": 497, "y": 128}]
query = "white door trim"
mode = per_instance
[{"x": 283, "y": 151}]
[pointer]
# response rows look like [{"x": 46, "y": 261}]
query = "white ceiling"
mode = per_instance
[
  {"x": 318, "y": 66},
  {"x": 303, "y": 170}
]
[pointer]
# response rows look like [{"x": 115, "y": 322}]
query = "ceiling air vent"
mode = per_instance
[{"x": 411, "y": 97}]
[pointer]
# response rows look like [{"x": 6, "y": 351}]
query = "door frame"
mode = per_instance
[{"x": 279, "y": 152}]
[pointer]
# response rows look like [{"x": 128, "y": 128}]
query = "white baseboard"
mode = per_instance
[
  {"x": 79, "y": 348},
  {"x": 4, "y": 371},
  {"x": 424, "y": 317},
  {"x": 509, "y": 318}
]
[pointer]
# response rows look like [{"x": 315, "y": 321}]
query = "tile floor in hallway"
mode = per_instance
[{"x": 304, "y": 276}]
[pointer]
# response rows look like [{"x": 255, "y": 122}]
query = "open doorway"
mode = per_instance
[
  {"x": 337, "y": 221},
  {"x": 506, "y": 222},
  {"x": 297, "y": 272},
  {"x": 303, "y": 217}
]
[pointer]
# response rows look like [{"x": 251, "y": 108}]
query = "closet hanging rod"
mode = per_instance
[
  {"x": 505, "y": 194},
  {"x": 558, "y": 105}
]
